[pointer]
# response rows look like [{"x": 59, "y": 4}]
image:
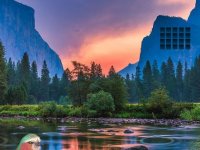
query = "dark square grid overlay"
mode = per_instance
[{"x": 175, "y": 38}]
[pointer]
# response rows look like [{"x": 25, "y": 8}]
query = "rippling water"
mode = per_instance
[{"x": 94, "y": 136}]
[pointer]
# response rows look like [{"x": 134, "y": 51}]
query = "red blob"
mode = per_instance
[{"x": 26, "y": 146}]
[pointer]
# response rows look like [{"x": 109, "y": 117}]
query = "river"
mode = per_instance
[{"x": 95, "y": 136}]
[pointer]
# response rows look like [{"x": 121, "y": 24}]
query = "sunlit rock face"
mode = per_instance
[
  {"x": 150, "y": 49},
  {"x": 18, "y": 35}
]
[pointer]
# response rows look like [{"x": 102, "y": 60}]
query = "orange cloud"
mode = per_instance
[
  {"x": 171, "y": 2},
  {"x": 184, "y": 13},
  {"x": 107, "y": 50},
  {"x": 121, "y": 47}
]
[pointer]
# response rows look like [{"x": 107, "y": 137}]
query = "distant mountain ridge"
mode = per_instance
[
  {"x": 18, "y": 35},
  {"x": 150, "y": 48},
  {"x": 130, "y": 69}
]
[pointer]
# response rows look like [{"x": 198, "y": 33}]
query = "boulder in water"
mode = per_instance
[
  {"x": 128, "y": 131},
  {"x": 141, "y": 147}
]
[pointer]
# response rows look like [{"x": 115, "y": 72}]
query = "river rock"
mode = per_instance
[
  {"x": 110, "y": 130},
  {"x": 128, "y": 131},
  {"x": 101, "y": 130},
  {"x": 141, "y": 147},
  {"x": 20, "y": 127}
]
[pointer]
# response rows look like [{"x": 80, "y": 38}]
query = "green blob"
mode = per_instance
[{"x": 27, "y": 138}]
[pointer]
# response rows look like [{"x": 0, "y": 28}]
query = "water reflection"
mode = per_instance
[{"x": 100, "y": 137}]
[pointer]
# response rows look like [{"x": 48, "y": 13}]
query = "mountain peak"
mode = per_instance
[
  {"x": 18, "y": 35},
  {"x": 195, "y": 14}
]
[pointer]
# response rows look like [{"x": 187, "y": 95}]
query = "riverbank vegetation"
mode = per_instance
[
  {"x": 158, "y": 106},
  {"x": 86, "y": 92}
]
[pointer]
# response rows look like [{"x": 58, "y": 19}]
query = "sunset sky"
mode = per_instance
[{"x": 108, "y": 32}]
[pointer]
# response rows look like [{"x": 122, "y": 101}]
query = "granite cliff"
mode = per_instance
[
  {"x": 150, "y": 46},
  {"x": 18, "y": 35}
]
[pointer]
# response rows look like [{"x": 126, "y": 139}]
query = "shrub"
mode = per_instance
[
  {"x": 5, "y": 107},
  {"x": 24, "y": 110},
  {"x": 178, "y": 108},
  {"x": 101, "y": 102},
  {"x": 160, "y": 104},
  {"x": 47, "y": 109},
  {"x": 196, "y": 113},
  {"x": 123, "y": 115},
  {"x": 60, "y": 111},
  {"x": 134, "y": 108},
  {"x": 186, "y": 114},
  {"x": 193, "y": 114},
  {"x": 75, "y": 112}
]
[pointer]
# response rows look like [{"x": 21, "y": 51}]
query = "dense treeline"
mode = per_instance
[
  {"x": 181, "y": 83},
  {"x": 20, "y": 83}
]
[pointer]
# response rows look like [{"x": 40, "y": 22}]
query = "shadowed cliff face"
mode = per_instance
[
  {"x": 18, "y": 34},
  {"x": 150, "y": 49},
  {"x": 130, "y": 69},
  {"x": 194, "y": 17}
]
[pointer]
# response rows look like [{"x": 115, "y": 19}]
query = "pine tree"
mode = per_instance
[
  {"x": 25, "y": 74},
  {"x": 95, "y": 71},
  {"x": 138, "y": 73},
  {"x": 21, "y": 94},
  {"x": 16, "y": 95},
  {"x": 171, "y": 80},
  {"x": 65, "y": 82},
  {"x": 54, "y": 88},
  {"x": 10, "y": 96},
  {"x": 138, "y": 85},
  {"x": 3, "y": 81},
  {"x": 187, "y": 84},
  {"x": 111, "y": 72},
  {"x": 80, "y": 71},
  {"x": 179, "y": 82},
  {"x": 156, "y": 75},
  {"x": 34, "y": 83},
  {"x": 118, "y": 90},
  {"x": 147, "y": 79},
  {"x": 99, "y": 71},
  {"x": 44, "y": 84},
  {"x": 18, "y": 73},
  {"x": 132, "y": 77},
  {"x": 11, "y": 74},
  {"x": 131, "y": 89},
  {"x": 116, "y": 86},
  {"x": 127, "y": 76},
  {"x": 79, "y": 86},
  {"x": 195, "y": 81},
  {"x": 164, "y": 74},
  {"x": 155, "y": 71}
]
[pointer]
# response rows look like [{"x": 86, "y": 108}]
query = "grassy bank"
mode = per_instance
[{"x": 50, "y": 109}]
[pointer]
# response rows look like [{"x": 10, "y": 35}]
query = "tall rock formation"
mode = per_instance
[
  {"x": 150, "y": 49},
  {"x": 195, "y": 14},
  {"x": 18, "y": 34}
]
